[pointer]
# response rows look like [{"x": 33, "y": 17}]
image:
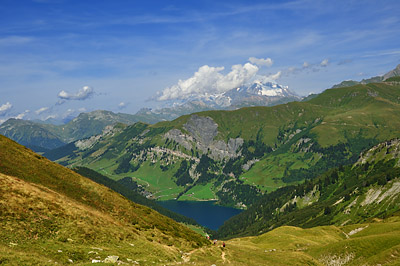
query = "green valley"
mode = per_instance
[{"x": 245, "y": 153}]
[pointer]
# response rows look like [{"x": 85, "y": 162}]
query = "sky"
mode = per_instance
[{"x": 62, "y": 57}]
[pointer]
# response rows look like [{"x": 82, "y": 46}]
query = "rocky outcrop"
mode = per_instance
[
  {"x": 181, "y": 138},
  {"x": 203, "y": 129},
  {"x": 393, "y": 73},
  {"x": 201, "y": 133},
  {"x": 385, "y": 150}
]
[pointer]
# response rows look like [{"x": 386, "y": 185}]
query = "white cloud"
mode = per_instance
[
  {"x": 324, "y": 63},
  {"x": 261, "y": 62},
  {"x": 270, "y": 78},
  {"x": 41, "y": 110},
  {"x": 5, "y": 108},
  {"x": 209, "y": 80},
  {"x": 82, "y": 94},
  {"x": 306, "y": 65},
  {"x": 121, "y": 105}
]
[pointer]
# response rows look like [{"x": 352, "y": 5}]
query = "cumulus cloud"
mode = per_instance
[
  {"x": 121, "y": 105},
  {"x": 261, "y": 62},
  {"x": 270, "y": 78},
  {"x": 324, "y": 63},
  {"x": 5, "y": 108},
  {"x": 306, "y": 65},
  {"x": 82, "y": 94},
  {"x": 41, "y": 110},
  {"x": 209, "y": 80}
]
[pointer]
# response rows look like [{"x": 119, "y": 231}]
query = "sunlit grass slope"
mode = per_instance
[
  {"x": 361, "y": 244},
  {"x": 51, "y": 214}
]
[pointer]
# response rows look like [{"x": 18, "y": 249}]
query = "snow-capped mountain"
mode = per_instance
[
  {"x": 261, "y": 93},
  {"x": 255, "y": 94}
]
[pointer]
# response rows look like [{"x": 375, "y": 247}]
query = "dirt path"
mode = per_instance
[
  {"x": 223, "y": 256},
  {"x": 186, "y": 257}
]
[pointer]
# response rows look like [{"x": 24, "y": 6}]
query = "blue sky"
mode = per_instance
[{"x": 62, "y": 57}]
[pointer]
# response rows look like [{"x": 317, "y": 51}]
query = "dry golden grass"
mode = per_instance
[{"x": 45, "y": 207}]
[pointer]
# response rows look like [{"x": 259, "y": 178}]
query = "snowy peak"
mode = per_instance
[
  {"x": 257, "y": 93},
  {"x": 261, "y": 94},
  {"x": 267, "y": 89}
]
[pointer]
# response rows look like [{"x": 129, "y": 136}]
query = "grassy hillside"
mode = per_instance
[
  {"x": 51, "y": 214},
  {"x": 375, "y": 243}
]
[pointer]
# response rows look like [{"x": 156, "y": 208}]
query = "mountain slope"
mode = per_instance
[
  {"x": 41, "y": 137},
  {"x": 46, "y": 208},
  {"x": 33, "y": 135},
  {"x": 393, "y": 73},
  {"x": 356, "y": 193},
  {"x": 235, "y": 156}
]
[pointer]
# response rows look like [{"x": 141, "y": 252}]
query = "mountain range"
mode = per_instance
[{"x": 44, "y": 135}]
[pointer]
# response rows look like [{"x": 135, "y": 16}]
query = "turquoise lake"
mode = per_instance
[{"x": 205, "y": 213}]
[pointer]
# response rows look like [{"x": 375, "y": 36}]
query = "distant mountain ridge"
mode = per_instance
[
  {"x": 41, "y": 137},
  {"x": 393, "y": 73},
  {"x": 44, "y": 136}
]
